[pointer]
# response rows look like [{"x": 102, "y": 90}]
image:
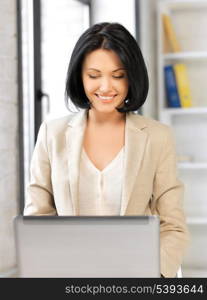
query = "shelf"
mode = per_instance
[
  {"x": 189, "y": 21},
  {"x": 193, "y": 272},
  {"x": 196, "y": 221},
  {"x": 192, "y": 165},
  {"x": 185, "y": 55},
  {"x": 182, "y": 4},
  {"x": 182, "y": 111}
]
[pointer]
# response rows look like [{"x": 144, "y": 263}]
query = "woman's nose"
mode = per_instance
[{"x": 105, "y": 85}]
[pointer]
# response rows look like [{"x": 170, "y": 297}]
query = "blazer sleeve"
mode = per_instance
[
  {"x": 168, "y": 194},
  {"x": 39, "y": 194}
]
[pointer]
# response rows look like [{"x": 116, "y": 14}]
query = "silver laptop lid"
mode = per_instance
[{"x": 81, "y": 247}]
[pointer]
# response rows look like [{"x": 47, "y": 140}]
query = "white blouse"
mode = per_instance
[{"x": 100, "y": 192}]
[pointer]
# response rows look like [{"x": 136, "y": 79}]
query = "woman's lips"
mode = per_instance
[{"x": 105, "y": 99}]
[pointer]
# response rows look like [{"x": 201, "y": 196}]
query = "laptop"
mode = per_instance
[{"x": 87, "y": 246}]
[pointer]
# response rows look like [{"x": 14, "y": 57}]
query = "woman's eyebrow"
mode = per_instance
[
  {"x": 100, "y": 71},
  {"x": 119, "y": 69},
  {"x": 94, "y": 69}
]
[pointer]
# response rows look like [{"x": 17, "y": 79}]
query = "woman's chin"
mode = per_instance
[{"x": 106, "y": 107}]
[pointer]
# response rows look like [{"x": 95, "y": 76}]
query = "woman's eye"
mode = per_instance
[
  {"x": 96, "y": 76},
  {"x": 92, "y": 76},
  {"x": 120, "y": 76}
]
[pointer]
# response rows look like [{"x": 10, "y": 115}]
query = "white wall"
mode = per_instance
[
  {"x": 120, "y": 11},
  {"x": 9, "y": 181},
  {"x": 148, "y": 46}
]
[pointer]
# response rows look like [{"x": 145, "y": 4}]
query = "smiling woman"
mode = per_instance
[
  {"x": 104, "y": 80},
  {"x": 105, "y": 159},
  {"x": 113, "y": 48}
]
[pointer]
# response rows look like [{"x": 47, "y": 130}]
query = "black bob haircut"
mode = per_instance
[{"x": 115, "y": 37}]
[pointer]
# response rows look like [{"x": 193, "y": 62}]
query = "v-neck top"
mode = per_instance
[{"x": 100, "y": 192}]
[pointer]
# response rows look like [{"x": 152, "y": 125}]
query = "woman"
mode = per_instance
[{"x": 105, "y": 159}]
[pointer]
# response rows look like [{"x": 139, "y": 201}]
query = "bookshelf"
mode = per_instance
[
  {"x": 189, "y": 22},
  {"x": 185, "y": 55}
]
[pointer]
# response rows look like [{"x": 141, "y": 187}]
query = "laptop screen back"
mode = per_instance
[{"x": 81, "y": 247}]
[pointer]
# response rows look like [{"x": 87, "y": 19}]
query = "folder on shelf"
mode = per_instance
[
  {"x": 183, "y": 84},
  {"x": 170, "y": 33},
  {"x": 173, "y": 99},
  {"x": 166, "y": 46}
]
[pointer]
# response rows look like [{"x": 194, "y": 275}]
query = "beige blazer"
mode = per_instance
[{"x": 150, "y": 184}]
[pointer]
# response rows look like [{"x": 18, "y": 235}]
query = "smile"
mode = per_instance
[{"x": 105, "y": 98}]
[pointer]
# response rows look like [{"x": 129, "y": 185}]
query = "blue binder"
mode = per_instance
[{"x": 173, "y": 99}]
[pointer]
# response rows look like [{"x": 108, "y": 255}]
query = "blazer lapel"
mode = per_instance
[
  {"x": 135, "y": 142},
  {"x": 74, "y": 140}
]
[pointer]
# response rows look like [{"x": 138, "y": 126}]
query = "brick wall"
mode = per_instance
[{"x": 9, "y": 181}]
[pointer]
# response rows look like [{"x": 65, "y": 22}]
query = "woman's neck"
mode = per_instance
[{"x": 101, "y": 119}]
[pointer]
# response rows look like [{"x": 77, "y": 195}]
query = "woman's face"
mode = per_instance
[{"x": 104, "y": 79}]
